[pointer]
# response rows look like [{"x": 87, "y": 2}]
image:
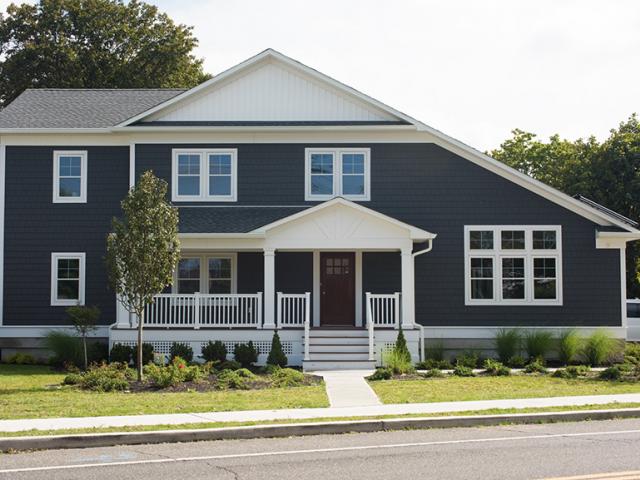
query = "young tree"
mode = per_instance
[
  {"x": 94, "y": 44},
  {"x": 84, "y": 321},
  {"x": 143, "y": 248}
]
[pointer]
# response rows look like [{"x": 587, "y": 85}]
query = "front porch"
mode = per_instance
[{"x": 336, "y": 281}]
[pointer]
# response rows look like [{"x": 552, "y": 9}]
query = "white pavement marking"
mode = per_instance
[
  {"x": 319, "y": 450},
  {"x": 309, "y": 413},
  {"x": 348, "y": 388}
]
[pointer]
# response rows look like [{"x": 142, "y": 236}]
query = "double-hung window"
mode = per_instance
[
  {"x": 213, "y": 273},
  {"x": 70, "y": 177},
  {"x": 342, "y": 172},
  {"x": 67, "y": 279},
  {"x": 513, "y": 265},
  {"x": 207, "y": 175}
]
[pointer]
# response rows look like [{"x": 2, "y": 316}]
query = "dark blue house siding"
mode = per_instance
[
  {"x": 35, "y": 227},
  {"x": 421, "y": 184},
  {"x": 432, "y": 188}
]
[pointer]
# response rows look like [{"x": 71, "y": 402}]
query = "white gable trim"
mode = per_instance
[{"x": 416, "y": 234}]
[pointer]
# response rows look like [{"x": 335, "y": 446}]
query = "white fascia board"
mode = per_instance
[
  {"x": 261, "y": 128},
  {"x": 221, "y": 235},
  {"x": 416, "y": 234},
  {"x": 270, "y": 53},
  {"x": 32, "y": 131}
]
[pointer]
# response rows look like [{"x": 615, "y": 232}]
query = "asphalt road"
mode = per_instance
[{"x": 509, "y": 452}]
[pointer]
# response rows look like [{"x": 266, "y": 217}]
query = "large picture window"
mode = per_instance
[
  {"x": 204, "y": 175},
  {"x": 69, "y": 177},
  {"x": 67, "y": 279},
  {"x": 513, "y": 265},
  {"x": 337, "y": 173}
]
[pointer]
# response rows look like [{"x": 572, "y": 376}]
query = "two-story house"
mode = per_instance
[{"x": 305, "y": 206}]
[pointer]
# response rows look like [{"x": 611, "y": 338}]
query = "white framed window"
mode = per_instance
[
  {"x": 204, "y": 175},
  {"x": 70, "y": 176},
  {"x": 513, "y": 264},
  {"x": 337, "y": 172},
  {"x": 67, "y": 278},
  {"x": 213, "y": 273}
]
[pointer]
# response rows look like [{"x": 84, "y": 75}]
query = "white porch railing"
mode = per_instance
[
  {"x": 384, "y": 309},
  {"x": 291, "y": 309},
  {"x": 205, "y": 310}
]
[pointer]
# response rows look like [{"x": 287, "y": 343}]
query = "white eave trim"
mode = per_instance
[
  {"x": 221, "y": 235},
  {"x": 416, "y": 234}
]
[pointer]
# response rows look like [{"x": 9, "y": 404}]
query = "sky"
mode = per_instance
[{"x": 472, "y": 69}]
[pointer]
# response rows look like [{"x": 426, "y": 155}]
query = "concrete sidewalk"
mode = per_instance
[{"x": 309, "y": 413}]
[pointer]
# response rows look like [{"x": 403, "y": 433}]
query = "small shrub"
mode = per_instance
[
  {"x": 496, "y": 369},
  {"x": 431, "y": 363},
  {"x": 538, "y": 343},
  {"x": 517, "y": 361},
  {"x": 397, "y": 361},
  {"x": 72, "y": 379},
  {"x": 381, "y": 374},
  {"x": 176, "y": 372},
  {"x": 66, "y": 348},
  {"x": 434, "y": 373},
  {"x": 599, "y": 347},
  {"x": 228, "y": 365},
  {"x": 468, "y": 359},
  {"x": 535, "y": 366},
  {"x": 507, "y": 344},
  {"x": 232, "y": 379},
  {"x": 611, "y": 373},
  {"x": 276, "y": 355},
  {"x": 578, "y": 370},
  {"x": 21, "y": 359},
  {"x": 435, "y": 351},
  {"x": 463, "y": 371},
  {"x": 106, "y": 377},
  {"x": 632, "y": 353},
  {"x": 287, "y": 377},
  {"x": 246, "y": 354},
  {"x": 182, "y": 350},
  {"x": 569, "y": 345},
  {"x": 214, "y": 352},
  {"x": 98, "y": 352},
  {"x": 121, "y": 353}
]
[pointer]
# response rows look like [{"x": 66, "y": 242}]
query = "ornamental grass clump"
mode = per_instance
[
  {"x": 397, "y": 361},
  {"x": 599, "y": 347},
  {"x": 569, "y": 345},
  {"x": 538, "y": 344},
  {"x": 507, "y": 344}
]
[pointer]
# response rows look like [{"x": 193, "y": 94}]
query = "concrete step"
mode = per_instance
[
  {"x": 338, "y": 347},
  {"x": 342, "y": 333},
  {"x": 338, "y": 341},
  {"x": 339, "y": 355},
  {"x": 314, "y": 365}
]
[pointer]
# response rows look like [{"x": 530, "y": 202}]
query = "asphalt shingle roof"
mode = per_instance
[
  {"x": 80, "y": 108},
  {"x": 212, "y": 219}
]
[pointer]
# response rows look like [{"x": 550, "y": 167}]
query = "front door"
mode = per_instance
[{"x": 337, "y": 289}]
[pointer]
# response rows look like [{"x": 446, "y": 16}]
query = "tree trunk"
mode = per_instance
[
  {"x": 140, "y": 322},
  {"x": 84, "y": 344}
]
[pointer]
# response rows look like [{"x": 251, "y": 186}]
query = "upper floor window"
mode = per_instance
[
  {"x": 340, "y": 172},
  {"x": 70, "y": 177},
  {"x": 513, "y": 265},
  {"x": 204, "y": 175},
  {"x": 67, "y": 278}
]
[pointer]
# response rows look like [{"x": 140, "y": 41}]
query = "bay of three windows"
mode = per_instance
[{"x": 513, "y": 265}]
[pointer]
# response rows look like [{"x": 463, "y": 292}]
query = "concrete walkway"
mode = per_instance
[
  {"x": 308, "y": 413},
  {"x": 348, "y": 388}
]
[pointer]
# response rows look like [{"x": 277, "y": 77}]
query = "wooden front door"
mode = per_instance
[{"x": 337, "y": 289}]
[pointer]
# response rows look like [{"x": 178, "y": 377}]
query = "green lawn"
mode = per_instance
[
  {"x": 492, "y": 388},
  {"x": 35, "y": 392}
]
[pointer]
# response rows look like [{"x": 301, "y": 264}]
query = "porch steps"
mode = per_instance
[{"x": 338, "y": 349}]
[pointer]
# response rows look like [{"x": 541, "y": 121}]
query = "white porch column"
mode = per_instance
[
  {"x": 269, "y": 288},
  {"x": 408, "y": 288}
]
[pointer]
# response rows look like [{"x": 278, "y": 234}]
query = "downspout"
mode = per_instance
[{"x": 421, "y": 341}]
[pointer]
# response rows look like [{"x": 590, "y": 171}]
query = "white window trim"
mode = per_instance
[
  {"x": 497, "y": 253},
  {"x": 204, "y": 175},
  {"x": 55, "y": 256},
  {"x": 337, "y": 174},
  {"x": 83, "y": 176},
  {"x": 204, "y": 270}
]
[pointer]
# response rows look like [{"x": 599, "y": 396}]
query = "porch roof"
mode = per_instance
[{"x": 225, "y": 219}]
